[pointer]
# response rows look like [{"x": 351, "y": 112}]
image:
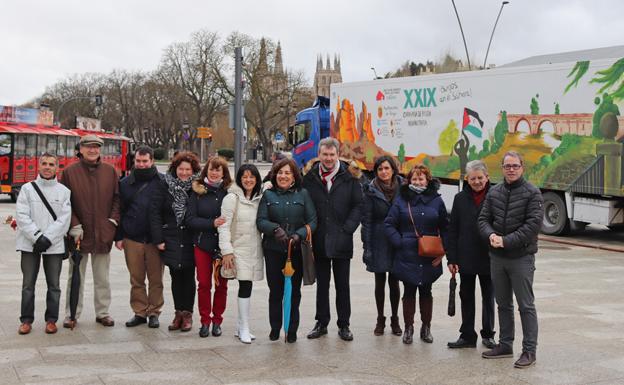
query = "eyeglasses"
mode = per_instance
[{"x": 512, "y": 166}]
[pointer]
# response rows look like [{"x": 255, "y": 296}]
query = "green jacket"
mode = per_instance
[{"x": 291, "y": 210}]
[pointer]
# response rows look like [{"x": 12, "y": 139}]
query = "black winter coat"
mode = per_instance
[
  {"x": 430, "y": 218},
  {"x": 291, "y": 210},
  {"x": 204, "y": 206},
  {"x": 178, "y": 240},
  {"x": 466, "y": 247},
  {"x": 338, "y": 212},
  {"x": 378, "y": 252},
  {"x": 135, "y": 197},
  {"x": 514, "y": 211}
]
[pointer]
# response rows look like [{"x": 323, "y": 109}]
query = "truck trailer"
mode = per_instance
[{"x": 563, "y": 118}]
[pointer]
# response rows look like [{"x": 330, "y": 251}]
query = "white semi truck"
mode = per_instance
[{"x": 563, "y": 118}]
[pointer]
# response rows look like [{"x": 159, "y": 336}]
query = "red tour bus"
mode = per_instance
[{"x": 22, "y": 143}]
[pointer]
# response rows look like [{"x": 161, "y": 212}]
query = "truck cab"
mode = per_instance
[{"x": 311, "y": 125}]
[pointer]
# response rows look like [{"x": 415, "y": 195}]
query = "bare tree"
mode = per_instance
[
  {"x": 270, "y": 91},
  {"x": 193, "y": 66},
  {"x": 78, "y": 88}
]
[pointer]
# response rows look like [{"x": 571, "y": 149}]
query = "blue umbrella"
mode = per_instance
[{"x": 288, "y": 272}]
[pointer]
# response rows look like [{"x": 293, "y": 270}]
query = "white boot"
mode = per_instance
[
  {"x": 243, "y": 315},
  {"x": 238, "y": 325}
]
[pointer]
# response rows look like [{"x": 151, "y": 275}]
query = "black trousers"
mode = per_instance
[
  {"x": 30, "y": 264},
  {"x": 341, "y": 268},
  {"x": 183, "y": 288},
  {"x": 467, "y": 296},
  {"x": 275, "y": 262}
]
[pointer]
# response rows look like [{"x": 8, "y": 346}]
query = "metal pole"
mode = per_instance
[
  {"x": 462, "y": 33},
  {"x": 238, "y": 107},
  {"x": 493, "y": 29},
  {"x": 201, "y": 151}
]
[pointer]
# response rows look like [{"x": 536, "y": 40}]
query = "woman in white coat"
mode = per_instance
[{"x": 240, "y": 241}]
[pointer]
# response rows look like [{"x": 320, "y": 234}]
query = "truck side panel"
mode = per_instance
[{"x": 563, "y": 118}]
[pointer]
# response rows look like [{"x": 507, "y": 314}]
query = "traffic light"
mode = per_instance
[
  {"x": 98, "y": 100},
  {"x": 209, "y": 138}
]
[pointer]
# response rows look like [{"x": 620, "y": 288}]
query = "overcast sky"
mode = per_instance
[{"x": 46, "y": 41}]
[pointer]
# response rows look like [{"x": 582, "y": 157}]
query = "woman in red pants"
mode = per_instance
[{"x": 203, "y": 216}]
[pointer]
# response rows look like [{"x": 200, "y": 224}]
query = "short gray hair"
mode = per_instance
[
  {"x": 476, "y": 165},
  {"x": 329, "y": 142},
  {"x": 513, "y": 154}
]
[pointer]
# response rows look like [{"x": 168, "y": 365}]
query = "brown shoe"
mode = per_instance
[
  {"x": 177, "y": 321},
  {"x": 187, "y": 321},
  {"x": 105, "y": 321},
  {"x": 499, "y": 351},
  {"x": 526, "y": 359},
  {"x": 50, "y": 327},
  {"x": 25, "y": 328},
  {"x": 69, "y": 324}
]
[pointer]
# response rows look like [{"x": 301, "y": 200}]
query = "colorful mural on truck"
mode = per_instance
[{"x": 564, "y": 119}]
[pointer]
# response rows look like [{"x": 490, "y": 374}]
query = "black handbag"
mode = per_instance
[
  {"x": 67, "y": 240},
  {"x": 307, "y": 254}
]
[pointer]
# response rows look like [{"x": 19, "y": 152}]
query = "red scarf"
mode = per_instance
[
  {"x": 328, "y": 176},
  {"x": 478, "y": 197}
]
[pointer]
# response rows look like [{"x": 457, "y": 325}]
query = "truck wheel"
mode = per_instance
[
  {"x": 617, "y": 228},
  {"x": 555, "y": 221}
]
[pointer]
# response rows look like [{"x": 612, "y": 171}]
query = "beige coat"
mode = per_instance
[{"x": 240, "y": 236}]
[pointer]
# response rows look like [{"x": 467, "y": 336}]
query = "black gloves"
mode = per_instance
[
  {"x": 42, "y": 244},
  {"x": 280, "y": 235}
]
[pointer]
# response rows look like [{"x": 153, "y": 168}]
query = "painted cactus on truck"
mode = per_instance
[{"x": 563, "y": 118}]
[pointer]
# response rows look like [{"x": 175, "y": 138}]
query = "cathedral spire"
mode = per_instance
[
  {"x": 262, "y": 57},
  {"x": 279, "y": 66},
  {"x": 336, "y": 63}
]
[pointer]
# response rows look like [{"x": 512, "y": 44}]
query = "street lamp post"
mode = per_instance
[
  {"x": 462, "y": 33},
  {"x": 98, "y": 99},
  {"x": 375, "y": 72},
  {"x": 493, "y": 29}
]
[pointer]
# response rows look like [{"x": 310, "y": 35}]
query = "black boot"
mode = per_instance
[
  {"x": 394, "y": 325},
  {"x": 426, "y": 313},
  {"x": 409, "y": 308},
  {"x": 381, "y": 325}
]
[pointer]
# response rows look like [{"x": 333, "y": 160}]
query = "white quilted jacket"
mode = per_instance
[{"x": 240, "y": 236}]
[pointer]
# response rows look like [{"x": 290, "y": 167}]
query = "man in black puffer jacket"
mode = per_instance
[{"x": 510, "y": 219}]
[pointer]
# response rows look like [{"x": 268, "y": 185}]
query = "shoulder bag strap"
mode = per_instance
[
  {"x": 136, "y": 193},
  {"x": 43, "y": 198},
  {"x": 409, "y": 210}
]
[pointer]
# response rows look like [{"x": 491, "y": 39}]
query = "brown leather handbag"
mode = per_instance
[{"x": 428, "y": 245}]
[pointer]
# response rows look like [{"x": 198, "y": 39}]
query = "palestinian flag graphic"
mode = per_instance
[{"x": 472, "y": 123}]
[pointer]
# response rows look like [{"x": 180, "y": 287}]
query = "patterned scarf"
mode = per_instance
[
  {"x": 178, "y": 189},
  {"x": 327, "y": 176},
  {"x": 388, "y": 189}
]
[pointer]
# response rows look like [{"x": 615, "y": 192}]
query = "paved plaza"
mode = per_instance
[{"x": 580, "y": 302}]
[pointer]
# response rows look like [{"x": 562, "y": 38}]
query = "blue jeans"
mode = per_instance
[{"x": 52, "y": 264}]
